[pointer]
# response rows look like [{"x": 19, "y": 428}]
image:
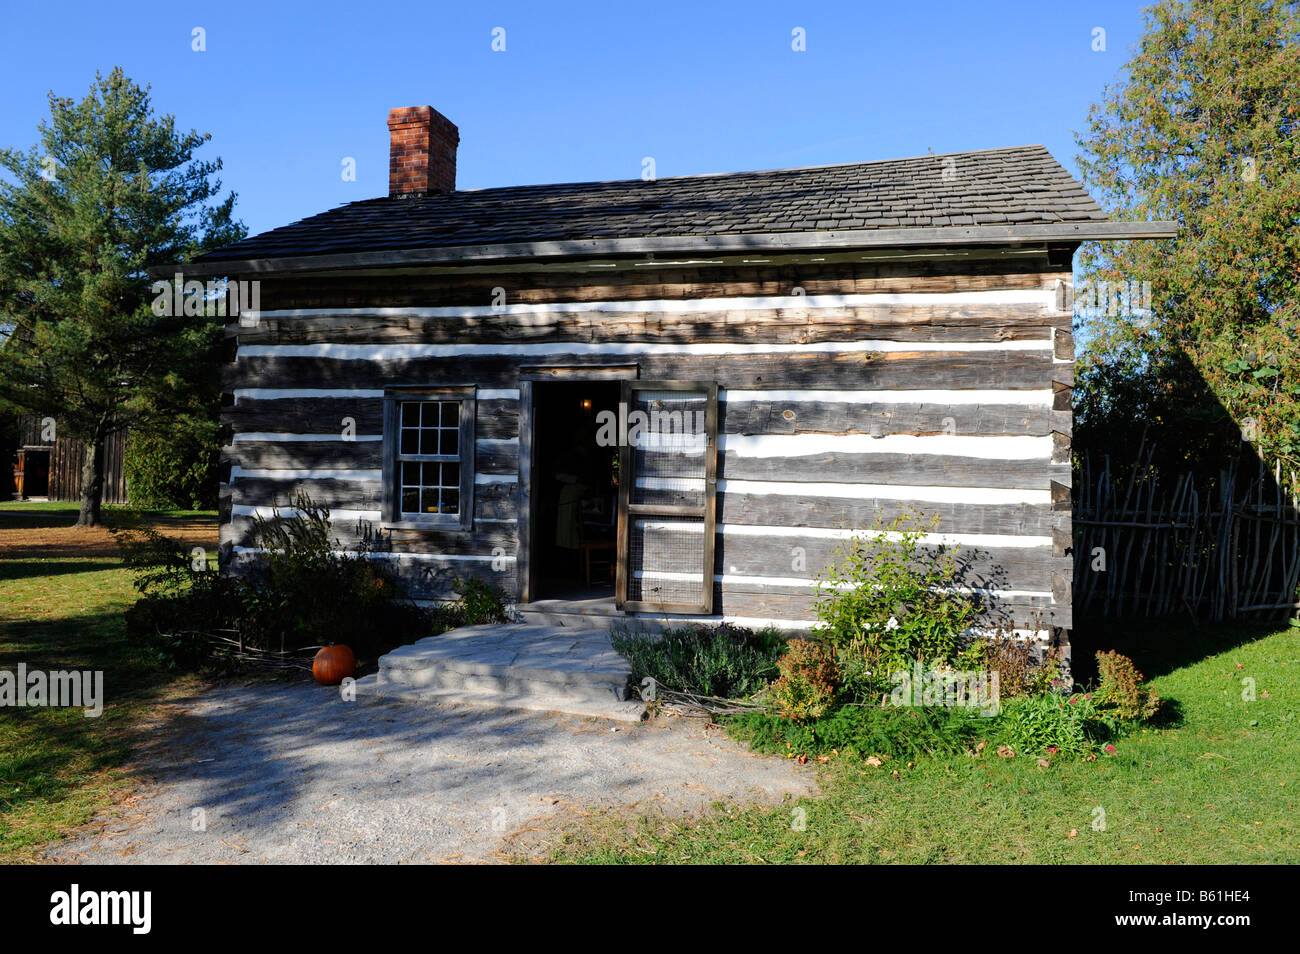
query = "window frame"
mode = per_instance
[{"x": 392, "y": 514}]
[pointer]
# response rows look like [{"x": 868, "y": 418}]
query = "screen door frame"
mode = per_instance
[{"x": 629, "y": 511}]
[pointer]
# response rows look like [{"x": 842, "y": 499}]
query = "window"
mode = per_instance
[{"x": 429, "y": 458}]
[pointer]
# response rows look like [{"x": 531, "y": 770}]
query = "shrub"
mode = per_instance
[
  {"x": 1120, "y": 689},
  {"x": 1073, "y": 725},
  {"x": 303, "y": 593},
  {"x": 888, "y": 732},
  {"x": 809, "y": 680},
  {"x": 479, "y": 603},
  {"x": 1019, "y": 673},
  {"x": 722, "y": 661},
  {"x": 887, "y": 598}
]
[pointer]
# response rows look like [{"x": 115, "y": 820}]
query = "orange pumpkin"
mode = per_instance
[{"x": 333, "y": 664}]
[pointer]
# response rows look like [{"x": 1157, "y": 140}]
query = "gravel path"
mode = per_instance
[{"x": 290, "y": 773}]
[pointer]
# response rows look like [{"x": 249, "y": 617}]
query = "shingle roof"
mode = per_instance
[{"x": 1022, "y": 185}]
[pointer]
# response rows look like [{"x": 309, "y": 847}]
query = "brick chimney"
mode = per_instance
[{"x": 422, "y": 151}]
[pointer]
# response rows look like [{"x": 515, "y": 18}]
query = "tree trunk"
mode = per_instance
[{"x": 92, "y": 484}]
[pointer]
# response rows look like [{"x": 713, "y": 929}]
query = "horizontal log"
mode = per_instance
[
  {"x": 477, "y": 287},
  {"x": 490, "y": 457},
  {"x": 759, "y": 602},
  {"x": 807, "y": 557},
  {"x": 828, "y": 417},
  {"x": 783, "y": 325},
  {"x": 496, "y": 418},
  {"x": 492, "y": 501},
  {"x": 924, "y": 470},
  {"x": 850, "y": 370},
  {"x": 781, "y": 510}
]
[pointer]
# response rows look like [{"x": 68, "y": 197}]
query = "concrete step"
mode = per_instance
[{"x": 513, "y": 665}]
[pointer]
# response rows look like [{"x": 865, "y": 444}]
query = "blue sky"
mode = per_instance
[{"x": 582, "y": 91}]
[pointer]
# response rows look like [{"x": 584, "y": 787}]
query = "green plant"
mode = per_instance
[
  {"x": 302, "y": 592},
  {"x": 889, "y": 598},
  {"x": 1019, "y": 672},
  {"x": 722, "y": 661},
  {"x": 809, "y": 680},
  {"x": 1071, "y": 725},
  {"x": 1121, "y": 691},
  {"x": 901, "y": 732}
]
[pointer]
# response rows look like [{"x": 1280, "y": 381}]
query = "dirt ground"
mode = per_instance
[{"x": 43, "y": 535}]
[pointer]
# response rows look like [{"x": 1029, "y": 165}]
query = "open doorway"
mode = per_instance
[
  {"x": 32, "y": 473},
  {"x": 574, "y": 491}
]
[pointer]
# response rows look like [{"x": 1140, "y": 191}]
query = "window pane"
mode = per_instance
[
  {"x": 410, "y": 500},
  {"x": 451, "y": 501},
  {"x": 410, "y": 441},
  {"x": 429, "y": 500},
  {"x": 411, "y": 474},
  {"x": 430, "y": 475},
  {"x": 451, "y": 414},
  {"x": 428, "y": 441},
  {"x": 450, "y": 442},
  {"x": 451, "y": 475},
  {"x": 410, "y": 414}
]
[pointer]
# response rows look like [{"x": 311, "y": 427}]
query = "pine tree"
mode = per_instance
[{"x": 111, "y": 190}]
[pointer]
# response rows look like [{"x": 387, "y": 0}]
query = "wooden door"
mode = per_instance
[{"x": 667, "y": 490}]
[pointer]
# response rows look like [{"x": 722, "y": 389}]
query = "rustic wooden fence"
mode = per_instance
[{"x": 1147, "y": 544}]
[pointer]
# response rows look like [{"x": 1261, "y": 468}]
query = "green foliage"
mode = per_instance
[
  {"x": 900, "y": 732},
  {"x": 809, "y": 680},
  {"x": 1073, "y": 725},
  {"x": 1019, "y": 673},
  {"x": 888, "y": 599},
  {"x": 110, "y": 191},
  {"x": 478, "y": 603},
  {"x": 722, "y": 661},
  {"x": 174, "y": 466},
  {"x": 1201, "y": 130},
  {"x": 1120, "y": 689}
]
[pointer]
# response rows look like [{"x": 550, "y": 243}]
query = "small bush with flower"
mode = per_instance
[{"x": 890, "y": 605}]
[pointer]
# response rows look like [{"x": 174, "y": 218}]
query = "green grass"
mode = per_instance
[
  {"x": 70, "y": 509},
  {"x": 58, "y": 767},
  {"x": 1218, "y": 782}
]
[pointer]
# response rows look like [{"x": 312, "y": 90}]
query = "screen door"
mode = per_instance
[{"x": 667, "y": 486}]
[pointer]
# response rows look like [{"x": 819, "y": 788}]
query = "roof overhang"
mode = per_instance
[{"x": 1072, "y": 232}]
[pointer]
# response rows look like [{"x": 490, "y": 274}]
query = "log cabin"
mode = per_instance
[{"x": 670, "y": 397}]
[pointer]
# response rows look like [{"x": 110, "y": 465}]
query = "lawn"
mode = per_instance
[
  {"x": 1216, "y": 783},
  {"x": 62, "y": 594}
]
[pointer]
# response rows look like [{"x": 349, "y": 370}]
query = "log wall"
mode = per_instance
[{"x": 848, "y": 391}]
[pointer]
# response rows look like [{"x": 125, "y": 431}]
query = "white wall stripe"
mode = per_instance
[
  {"x": 1038, "y": 398},
  {"x": 284, "y": 394},
  {"x": 496, "y": 478},
  {"x": 800, "y": 445},
  {"x": 266, "y": 513},
  {"x": 1010, "y": 296},
  {"x": 399, "y": 557},
  {"x": 971, "y": 495},
  {"x": 315, "y": 473},
  {"x": 289, "y": 438},
  {"x": 399, "y": 352}
]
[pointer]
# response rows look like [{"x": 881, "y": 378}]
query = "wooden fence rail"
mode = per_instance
[{"x": 1149, "y": 545}]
